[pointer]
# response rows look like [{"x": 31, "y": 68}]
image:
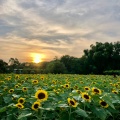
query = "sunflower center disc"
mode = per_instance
[{"x": 41, "y": 96}]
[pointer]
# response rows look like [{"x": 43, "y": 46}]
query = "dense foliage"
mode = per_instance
[
  {"x": 59, "y": 97},
  {"x": 102, "y": 56},
  {"x": 99, "y": 58},
  {"x": 112, "y": 72}
]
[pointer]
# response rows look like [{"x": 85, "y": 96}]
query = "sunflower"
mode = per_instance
[
  {"x": 114, "y": 91},
  {"x": 41, "y": 95},
  {"x": 72, "y": 102},
  {"x": 19, "y": 84},
  {"x": 93, "y": 82},
  {"x": 22, "y": 81},
  {"x": 111, "y": 84},
  {"x": 81, "y": 82},
  {"x": 5, "y": 88},
  {"x": 9, "y": 77},
  {"x": 54, "y": 82},
  {"x": 116, "y": 85},
  {"x": 17, "y": 76},
  {"x": 2, "y": 82},
  {"x": 42, "y": 78},
  {"x": 19, "y": 105},
  {"x": 86, "y": 88},
  {"x": 86, "y": 97},
  {"x": 11, "y": 91},
  {"x": 46, "y": 84},
  {"x": 66, "y": 86},
  {"x": 39, "y": 88},
  {"x": 21, "y": 100},
  {"x": 103, "y": 104},
  {"x": 75, "y": 87},
  {"x": 24, "y": 89},
  {"x": 96, "y": 91},
  {"x": 62, "y": 86},
  {"x": 26, "y": 78},
  {"x": 35, "y": 106},
  {"x": 16, "y": 86},
  {"x": 34, "y": 82},
  {"x": 78, "y": 91}
]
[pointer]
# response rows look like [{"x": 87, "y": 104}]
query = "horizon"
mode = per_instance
[
  {"x": 39, "y": 60},
  {"x": 55, "y": 28}
]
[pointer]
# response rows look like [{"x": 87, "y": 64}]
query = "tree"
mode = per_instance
[
  {"x": 3, "y": 66},
  {"x": 101, "y": 57},
  {"x": 116, "y": 56},
  {"x": 13, "y": 64},
  {"x": 56, "y": 67},
  {"x": 69, "y": 62},
  {"x": 42, "y": 67}
]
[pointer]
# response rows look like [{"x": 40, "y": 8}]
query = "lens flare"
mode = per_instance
[{"x": 37, "y": 58}]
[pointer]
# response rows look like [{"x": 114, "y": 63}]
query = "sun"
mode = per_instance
[{"x": 37, "y": 58}]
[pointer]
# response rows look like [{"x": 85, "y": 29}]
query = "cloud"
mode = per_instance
[{"x": 56, "y": 27}]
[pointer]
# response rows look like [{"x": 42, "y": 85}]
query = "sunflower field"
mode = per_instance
[{"x": 59, "y": 97}]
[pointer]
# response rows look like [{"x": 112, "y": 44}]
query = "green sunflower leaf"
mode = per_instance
[
  {"x": 3, "y": 109},
  {"x": 23, "y": 115},
  {"x": 81, "y": 112}
]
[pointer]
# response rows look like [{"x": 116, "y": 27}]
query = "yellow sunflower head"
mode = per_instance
[
  {"x": 41, "y": 95},
  {"x": 24, "y": 89},
  {"x": 96, "y": 91},
  {"x": 34, "y": 82},
  {"x": 72, "y": 102},
  {"x": 19, "y": 84},
  {"x": 5, "y": 88},
  {"x": 26, "y": 78},
  {"x": 66, "y": 86},
  {"x": 118, "y": 83},
  {"x": 86, "y": 88},
  {"x": 78, "y": 91},
  {"x": 103, "y": 104},
  {"x": 19, "y": 105},
  {"x": 22, "y": 81},
  {"x": 9, "y": 77},
  {"x": 11, "y": 91},
  {"x": 81, "y": 82},
  {"x": 35, "y": 106},
  {"x": 42, "y": 77},
  {"x": 21, "y": 100},
  {"x": 86, "y": 97},
  {"x": 114, "y": 91},
  {"x": 75, "y": 87},
  {"x": 16, "y": 86},
  {"x": 17, "y": 76},
  {"x": 39, "y": 88}
]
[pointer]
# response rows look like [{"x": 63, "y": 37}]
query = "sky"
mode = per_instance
[{"x": 50, "y": 28}]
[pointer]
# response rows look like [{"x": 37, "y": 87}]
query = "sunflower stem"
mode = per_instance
[
  {"x": 84, "y": 110},
  {"x": 70, "y": 113},
  {"x": 39, "y": 114}
]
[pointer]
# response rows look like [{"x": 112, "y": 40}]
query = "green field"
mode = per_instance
[{"x": 59, "y": 97}]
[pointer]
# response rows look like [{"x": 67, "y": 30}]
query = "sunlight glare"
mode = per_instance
[{"x": 37, "y": 58}]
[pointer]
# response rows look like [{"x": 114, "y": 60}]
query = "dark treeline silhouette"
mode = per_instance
[{"x": 99, "y": 58}]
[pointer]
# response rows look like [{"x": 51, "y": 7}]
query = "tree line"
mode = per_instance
[{"x": 99, "y": 58}]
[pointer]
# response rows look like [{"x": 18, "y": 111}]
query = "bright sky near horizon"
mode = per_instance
[{"x": 50, "y": 28}]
